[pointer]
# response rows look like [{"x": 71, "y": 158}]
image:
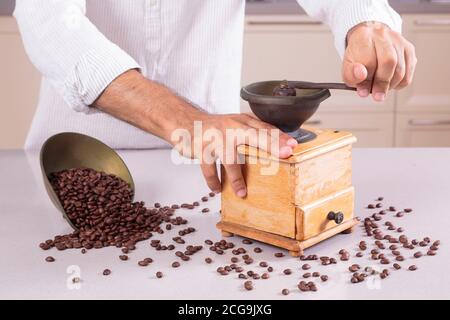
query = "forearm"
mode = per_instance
[{"x": 147, "y": 105}]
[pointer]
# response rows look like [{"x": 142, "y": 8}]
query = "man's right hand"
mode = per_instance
[
  {"x": 234, "y": 130},
  {"x": 157, "y": 110}
]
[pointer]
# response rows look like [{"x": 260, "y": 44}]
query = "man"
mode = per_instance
[{"x": 130, "y": 73}]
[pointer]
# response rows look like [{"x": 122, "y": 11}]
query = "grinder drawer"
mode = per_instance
[{"x": 324, "y": 214}]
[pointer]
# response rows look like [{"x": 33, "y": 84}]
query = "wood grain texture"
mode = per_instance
[
  {"x": 322, "y": 175},
  {"x": 314, "y": 215},
  {"x": 266, "y": 237},
  {"x": 268, "y": 205},
  {"x": 328, "y": 233},
  {"x": 326, "y": 140}
]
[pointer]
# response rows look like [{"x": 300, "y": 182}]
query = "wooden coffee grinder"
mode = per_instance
[{"x": 310, "y": 196}]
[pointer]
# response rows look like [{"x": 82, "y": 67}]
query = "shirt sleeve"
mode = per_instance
[
  {"x": 77, "y": 59},
  {"x": 342, "y": 15}
]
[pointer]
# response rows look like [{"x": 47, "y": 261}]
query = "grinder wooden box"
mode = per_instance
[{"x": 310, "y": 198}]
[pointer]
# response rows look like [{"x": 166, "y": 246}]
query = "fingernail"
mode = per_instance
[
  {"x": 363, "y": 93},
  {"x": 241, "y": 193},
  {"x": 292, "y": 142},
  {"x": 379, "y": 96},
  {"x": 285, "y": 152}
]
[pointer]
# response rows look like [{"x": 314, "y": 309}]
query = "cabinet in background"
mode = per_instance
[
  {"x": 19, "y": 87},
  {"x": 423, "y": 130}
]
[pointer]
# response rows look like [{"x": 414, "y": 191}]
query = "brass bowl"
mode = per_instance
[
  {"x": 74, "y": 150},
  {"x": 287, "y": 113}
]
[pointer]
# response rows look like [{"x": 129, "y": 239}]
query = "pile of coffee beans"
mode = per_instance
[{"x": 100, "y": 206}]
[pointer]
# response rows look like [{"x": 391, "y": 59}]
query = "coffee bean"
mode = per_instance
[
  {"x": 247, "y": 241},
  {"x": 418, "y": 254},
  {"x": 50, "y": 259},
  {"x": 385, "y": 261},
  {"x": 76, "y": 280},
  {"x": 354, "y": 267},
  {"x": 345, "y": 257},
  {"x": 392, "y": 209},
  {"x": 285, "y": 292},
  {"x": 175, "y": 264},
  {"x": 324, "y": 278},
  {"x": 83, "y": 251},
  {"x": 400, "y": 229},
  {"x": 370, "y": 206},
  {"x": 431, "y": 253},
  {"x": 123, "y": 257},
  {"x": 257, "y": 250},
  {"x": 436, "y": 243},
  {"x": 205, "y": 210},
  {"x": 211, "y": 194},
  {"x": 397, "y": 266},
  {"x": 307, "y": 275},
  {"x": 248, "y": 285},
  {"x": 242, "y": 276},
  {"x": 359, "y": 254},
  {"x": 263, "y": 264},
  {"x": 306, "y": 266},
  {"x": 287, "y": 271},
  {"x": 378, "y": 205},
  {"x": 399, "y": 214},
  {"x": 407, "y": 210},
  {"x": 354, "y": 280},
  {"x": 279, "y": 254},
  {"x": 380, "y": 199},
  {"x": 399, "y": 258},
  {"x": 159, "y": 274},
  {"x": 270, "y": 269},
  {"x": 412, "y": 268}
]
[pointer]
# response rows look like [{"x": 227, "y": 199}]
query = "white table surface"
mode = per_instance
[{"x": 417, "y": 178}]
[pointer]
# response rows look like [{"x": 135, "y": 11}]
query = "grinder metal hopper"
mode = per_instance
[{"x": 288, "y": 113}]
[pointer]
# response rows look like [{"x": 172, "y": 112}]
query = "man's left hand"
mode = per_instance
[{"x": 377, "y": 59}]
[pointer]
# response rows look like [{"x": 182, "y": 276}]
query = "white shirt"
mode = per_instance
[{"x": 192, "y": 46}]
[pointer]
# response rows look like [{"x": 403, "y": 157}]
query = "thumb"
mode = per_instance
[{"x": 354, "y": 73}]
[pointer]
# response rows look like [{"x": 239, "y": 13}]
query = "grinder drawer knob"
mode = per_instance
[{"x": 338, "y": 217}]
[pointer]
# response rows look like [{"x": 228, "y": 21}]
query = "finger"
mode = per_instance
[
  {"x": 210, "y": 174},
  {"x": 360, "y": 63},
  {"x": 271, "y": 139},
  {"x": 234, "y": 174},
  {"x": 411, "y": 62},
  {"x": 354, "y": 73},
  {"x": 386, "y": 65},
  {"x": 400, "y": 70}
]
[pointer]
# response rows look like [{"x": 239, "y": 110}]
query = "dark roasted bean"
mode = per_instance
[
  {"x": 306, "y": 266},
  {"x": 279, "y": 254},
  {"x": 287, "y": 271},
  {"x": 49, "y": 259},
  {"x": 248, "y": 285}
]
